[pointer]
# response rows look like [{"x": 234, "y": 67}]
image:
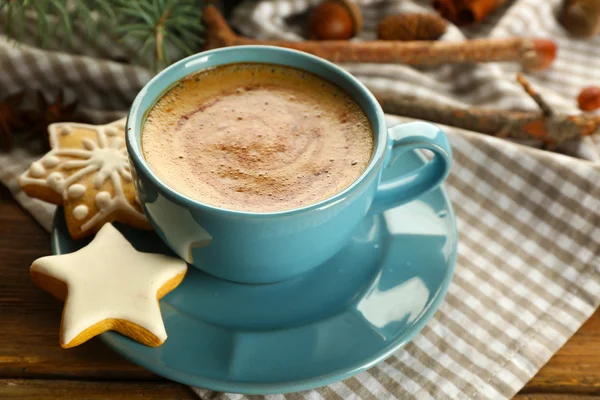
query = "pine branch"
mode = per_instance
[{"x": 155, "y": 30}]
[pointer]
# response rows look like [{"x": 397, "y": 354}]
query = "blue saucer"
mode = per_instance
[{"x": 339, "y": 319}]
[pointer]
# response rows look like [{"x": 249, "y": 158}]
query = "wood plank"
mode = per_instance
[
  {"x": 575, "y": 368},
  {"x": 5, "y": 196},
  {"x": 27, "y": 389},
  {"x": 546, "y": 396},
  {"x": 30, "y": 318}
]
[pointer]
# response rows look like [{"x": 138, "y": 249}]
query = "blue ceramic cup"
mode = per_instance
[{"x": 269, "y": 247}]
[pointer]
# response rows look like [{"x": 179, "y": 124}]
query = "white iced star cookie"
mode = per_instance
[
  {"x": 87, "y": 171},
  {"x": 109, "y": 285}
]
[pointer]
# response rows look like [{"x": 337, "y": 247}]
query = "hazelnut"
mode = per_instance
[
  {"x": 581, "y": 17},
  {"x": 589, "y": 98},
  {"x": 334, "y": 20}
]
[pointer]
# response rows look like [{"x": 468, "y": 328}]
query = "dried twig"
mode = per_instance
[
  {"x": 531, "y": 53},
  {"x": 550, "y": 128},
  {"x": 546, "y": 109}
]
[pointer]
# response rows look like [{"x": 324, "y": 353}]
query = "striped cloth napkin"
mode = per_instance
[{"x": 528, "y": 270}]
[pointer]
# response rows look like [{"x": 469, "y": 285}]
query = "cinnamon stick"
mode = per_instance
[
  {"x": 533, "y": 54},
  {"x": 550, "y": 128},
  {"x": 466, "y": 12}
]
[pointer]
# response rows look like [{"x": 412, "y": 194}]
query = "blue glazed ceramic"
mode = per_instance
[
  {"x": 271, "y": 247},
  {"x": 353, "y": 311}
]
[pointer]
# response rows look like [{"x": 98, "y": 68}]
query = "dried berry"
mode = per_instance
[{"x": 589, "y": 98}]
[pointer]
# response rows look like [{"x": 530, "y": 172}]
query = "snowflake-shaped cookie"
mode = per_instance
[{"x": 87, "y": 171}]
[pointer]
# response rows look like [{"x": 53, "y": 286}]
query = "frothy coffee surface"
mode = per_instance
[{"x": 257, "y": 137}]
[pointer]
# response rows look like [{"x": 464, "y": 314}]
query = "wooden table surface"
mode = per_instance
[{"x": 33, "y": 366}]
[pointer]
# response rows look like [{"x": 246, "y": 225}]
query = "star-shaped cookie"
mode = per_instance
[
  {"x": 109, "y": 285},
  {"x": 87, "y": 171}
]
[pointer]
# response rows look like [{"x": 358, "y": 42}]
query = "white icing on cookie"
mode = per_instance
[
  {"x": 88, "y": 144},
  {"x": 105, "y": 157},
  {"x": 55, "y": 181},
  {"x": 111, "y": 131},
  {"x": 37, "y": 170},
  {"x": 118, "y": 284},
  {"x": 103, "y": 200},
  {"x": 50, "y": 161},
  {"x": 80, "y": 212},
  {"x": 75, "y": 191}
]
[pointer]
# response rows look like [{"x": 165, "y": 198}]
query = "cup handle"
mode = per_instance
[{"x": 406, "y": 137}]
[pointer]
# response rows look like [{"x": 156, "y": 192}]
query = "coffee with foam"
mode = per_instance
[{"x": 257, "y": 137}]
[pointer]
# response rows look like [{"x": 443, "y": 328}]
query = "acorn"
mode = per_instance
[
  {"x": 411, "y": 27},
  {"x": 334, "y": 20}
]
